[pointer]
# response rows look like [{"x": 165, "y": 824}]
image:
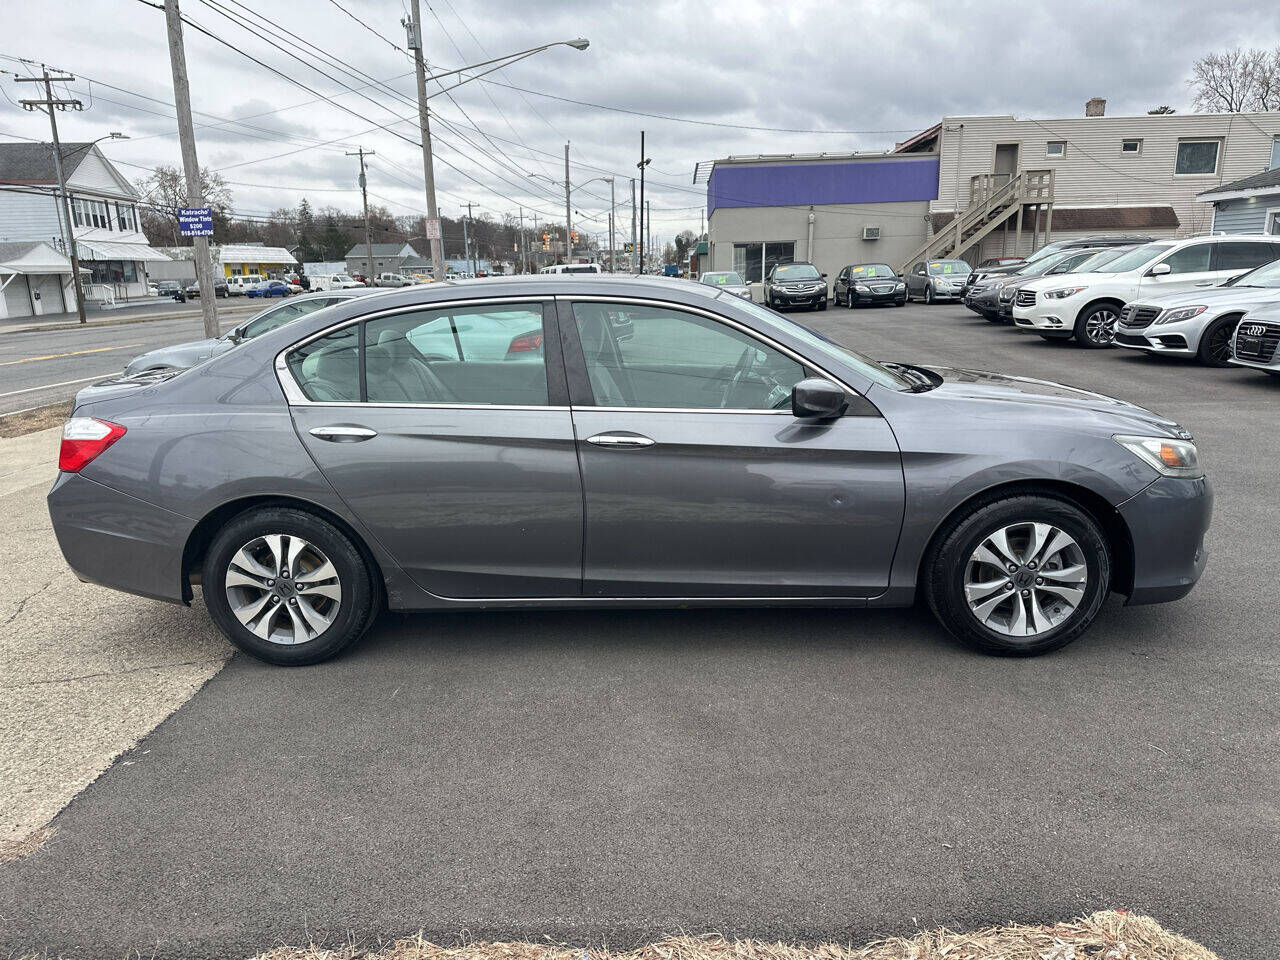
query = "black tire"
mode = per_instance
[
  {"x": 928, "y": 294},
  {"x": 1215, "y": 343},
  {"x": 1096, "y": 326},
  {"x": 358, "y": 603},
  {"x": 821, "y": 305},
  {"x": 991, "y": 316},
  {"x": 953, "y": 545},
  {"x": 900, "y": 303}
]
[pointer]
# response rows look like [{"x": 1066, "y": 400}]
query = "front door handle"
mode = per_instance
[
  {"x": 1206, "y": 283},
  {"x": 343, "y": 433},
  {"x": 620, "y": 440}
]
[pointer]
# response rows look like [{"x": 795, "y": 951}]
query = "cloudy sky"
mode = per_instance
[{"x": 715, "y": 80}]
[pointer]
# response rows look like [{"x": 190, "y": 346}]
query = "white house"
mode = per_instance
[{"x": 104, "y": 212}]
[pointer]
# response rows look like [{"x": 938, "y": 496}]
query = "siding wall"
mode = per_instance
[
  {"x": 25, "y": 216},
  {"x": 94, "y": 175},
  {"x": 1246, "y": 215},
  {"x": 1093, "y": 171}
]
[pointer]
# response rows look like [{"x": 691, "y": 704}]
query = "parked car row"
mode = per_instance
[{"x": 1214, "y": 298}]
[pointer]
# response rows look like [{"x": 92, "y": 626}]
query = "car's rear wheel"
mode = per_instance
[
  {"x": 1096, "y": 327},
  {"x": 1019, "y": 575},
  {"x": 287, "y": 587},
  {"x": 1215, "y": 343}
]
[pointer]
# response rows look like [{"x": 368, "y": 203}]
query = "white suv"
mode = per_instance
[{"x": 1087, "y": 305}]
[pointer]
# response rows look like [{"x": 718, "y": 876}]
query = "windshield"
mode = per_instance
[
  {"x": 940, "y": 268},
  {"x": 728, "y": 279},
  {"x": 870, "y": 271},
  {"x": 796, "y": 271},
  {"x": 1268, "y": 275},
  {"x": 1047, "y": 250},
  {"x": 1134, "y": 258},
  {"x": 825, "y": 347},
  {"x": 1101, "y": 259},
  {"x": 342, "y": 278}
]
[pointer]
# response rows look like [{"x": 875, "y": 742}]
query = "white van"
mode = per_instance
[
  {"x": 573, "y": 268},
  {"x": 237, "y": 285},
  {"x": 333, "y": 281}
]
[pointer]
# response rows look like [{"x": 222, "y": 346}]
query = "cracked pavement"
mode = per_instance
[{"x": 84, "y": 672}]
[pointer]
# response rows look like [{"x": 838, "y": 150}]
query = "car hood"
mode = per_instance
[
  {"x": 177, "y": 355},
  {"x": 1216, "y": 297},
  {"x": 1048, "y": 397}
]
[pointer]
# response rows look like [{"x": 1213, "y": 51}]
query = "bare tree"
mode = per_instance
[
  {"x": 1236, "y": 80},
  {"x": 1160, "y": 110}
]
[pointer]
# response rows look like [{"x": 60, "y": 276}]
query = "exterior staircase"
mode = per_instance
[{"x": 993, "y": 199}]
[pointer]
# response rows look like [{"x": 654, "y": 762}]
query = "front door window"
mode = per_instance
[{"x": 657, "y": 357}]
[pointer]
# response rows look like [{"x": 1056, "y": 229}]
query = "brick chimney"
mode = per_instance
[{"x": 1095, "y": 107}]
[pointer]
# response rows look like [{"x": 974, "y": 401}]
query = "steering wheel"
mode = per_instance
[{"x": 740, "y": 371}]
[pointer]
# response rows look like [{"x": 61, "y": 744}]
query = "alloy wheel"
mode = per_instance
[
  {"x": 283, "y": 589},
  {"x": 1219, "y": 346},
  {"x": 1100, "y": 326},
  {"x": 1025, "y": 579}
]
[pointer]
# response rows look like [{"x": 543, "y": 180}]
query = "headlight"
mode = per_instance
[
  {"x": 901, "y": 285},
  {"x": 861, "y": 289},
  {"x": 1063, "y": 293},
  {"x": 1172, "y": 458},
  {"x": 1181, "y": 313},
  {"x": 997, "y": 284}
]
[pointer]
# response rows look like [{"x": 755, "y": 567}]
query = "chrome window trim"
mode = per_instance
[
  {"x": 719, "y": 318},
  {"x": 296, "y": 398}
]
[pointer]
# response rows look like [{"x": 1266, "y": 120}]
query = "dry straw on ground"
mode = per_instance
[
  {"x": 29, "y": 421},
  {"x": 1107, "y": 935}
]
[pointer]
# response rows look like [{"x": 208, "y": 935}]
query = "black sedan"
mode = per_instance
[{"x": 864, "y": 283}]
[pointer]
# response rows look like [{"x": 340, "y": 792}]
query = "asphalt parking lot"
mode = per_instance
[{"x": 599, "y": 776}]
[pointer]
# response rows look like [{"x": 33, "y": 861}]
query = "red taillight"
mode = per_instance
[
  {"x": 526, "y": 342},
  {"x": 83, "y": 438}
]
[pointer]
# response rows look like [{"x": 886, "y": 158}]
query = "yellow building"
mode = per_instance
[{"x": 242, "y": 259}]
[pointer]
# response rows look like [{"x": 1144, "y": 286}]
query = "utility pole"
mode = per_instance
[
  {"x": 361, "y": 152},
  {"x": 568, "y": 212},
  {"x": 190, "y": 165},
  {"x": 414, "y": 30},
  {"x": 644, "y": 162},
  {"x": 474, "y": 247},
  {"x": 524, "y": 254},
  {"x": 63, "y": 203},
  {"x": 648, "y": 222},
  {"x": 613, "y": 267},
  {"x": 634, "y": 249},
  {"x": 466, "y": 240}
]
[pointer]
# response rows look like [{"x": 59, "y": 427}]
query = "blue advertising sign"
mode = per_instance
[{"x": 195, "y": 221}]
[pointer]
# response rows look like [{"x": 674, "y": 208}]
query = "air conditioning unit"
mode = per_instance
[{"x": 870, "y": 233}]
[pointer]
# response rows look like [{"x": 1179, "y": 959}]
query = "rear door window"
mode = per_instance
[
  {"x": 1242, "y": 255},
  {"x": 1192, "y": 259}
]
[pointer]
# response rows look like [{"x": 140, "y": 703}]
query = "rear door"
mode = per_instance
[
  {"x": 699, "y": 482},
  {"x": 447, "y": 432},
  {"x": 1231, "y": 258}
]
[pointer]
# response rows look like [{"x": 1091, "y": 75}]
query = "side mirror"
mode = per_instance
[
  {"x": 1159, "y": 270},
  {"x": 817, "y": 399},
  {"x": 824, "y": 276}
]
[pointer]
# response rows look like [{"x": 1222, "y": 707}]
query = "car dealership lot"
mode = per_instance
[{"x": 779, "y": 772}]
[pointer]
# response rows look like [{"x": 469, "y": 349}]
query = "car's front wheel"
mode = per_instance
[
  {"x": 1215, "y": 343},
  {"x": 1019, "y": 575},
  {"x": 928, "y": 293},
  {"x": 1096, "y": 327},
  {"x": 287, "y": 587}
]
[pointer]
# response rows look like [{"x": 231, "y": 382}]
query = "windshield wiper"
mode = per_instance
[{"x": 917, "y": 380}]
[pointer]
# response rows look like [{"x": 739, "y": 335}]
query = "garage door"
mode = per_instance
[
  {"x": 46, "y": 291},
  {"x": 17, "y": 300}
]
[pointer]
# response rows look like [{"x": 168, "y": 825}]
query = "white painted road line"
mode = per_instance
[{"x": 64, "y": 383}]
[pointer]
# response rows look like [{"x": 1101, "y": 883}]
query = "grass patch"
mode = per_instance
[
  {"x": 13, "y": 850},
  {"x": 1106, "y": 935},
  {"x": 38, "y": 418}
]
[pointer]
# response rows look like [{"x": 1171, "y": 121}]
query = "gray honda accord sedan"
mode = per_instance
[{"x": 587, "y": 441}]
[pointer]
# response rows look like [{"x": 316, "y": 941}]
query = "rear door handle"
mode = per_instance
[
  {"x": 620, "y": 440},
  {"x": 343, "y": 433}
]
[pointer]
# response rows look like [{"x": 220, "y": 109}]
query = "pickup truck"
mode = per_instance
[
  {"x": 333, "y": 281},
  {"x": 392, "y": 280}
]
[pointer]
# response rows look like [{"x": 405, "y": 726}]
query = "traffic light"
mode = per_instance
[{"x": 574, "y": 236}]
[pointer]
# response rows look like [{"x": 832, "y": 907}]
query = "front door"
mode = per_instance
[
  {"x": 699, "y": 482},
  {"x": 1006, "y": 163},
  {"x": 1189, "y": 267},
  {"x": 842, "y": 285},
  {"x": 447, "y": 432}
]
